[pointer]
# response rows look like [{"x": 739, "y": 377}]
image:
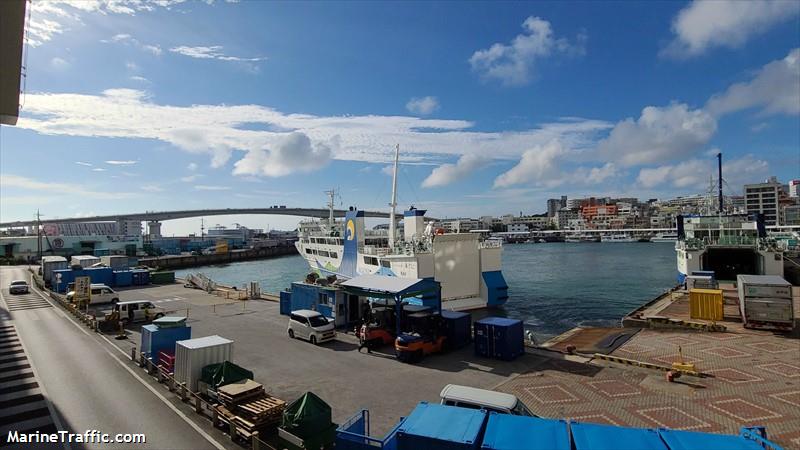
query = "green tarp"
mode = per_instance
[
  {"x": 216, "y": 375},
  {"x": 307, "y": 416}
]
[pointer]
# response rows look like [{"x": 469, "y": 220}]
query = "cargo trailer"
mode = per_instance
[
  {"x": 765, "y": 302},
  {"x": 51, "y": 263}
]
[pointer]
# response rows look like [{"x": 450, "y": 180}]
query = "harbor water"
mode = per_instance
[{"x": 552, "y": 287}]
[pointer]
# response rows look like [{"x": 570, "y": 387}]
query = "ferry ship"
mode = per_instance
[
  {"x": 467, "y": 265},
  {"x": 617, "y": 238},
  {"x": 665, "y": 237},
  {"x": 728, "y": 245}
]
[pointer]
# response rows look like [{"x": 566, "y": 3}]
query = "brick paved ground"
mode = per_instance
[{"x": 756, "y": 381}]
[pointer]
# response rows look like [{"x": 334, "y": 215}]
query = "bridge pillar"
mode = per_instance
[{"x": 154, "y": 229}]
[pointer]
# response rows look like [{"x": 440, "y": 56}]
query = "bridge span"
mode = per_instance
[{"x": 160, "y": 216}]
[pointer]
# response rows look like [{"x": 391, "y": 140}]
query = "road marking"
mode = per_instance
[{"x": 124, "y": 365}]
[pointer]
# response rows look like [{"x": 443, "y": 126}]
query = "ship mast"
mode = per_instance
[
  {"x": 393, "y": 204},
  {"x": 331, "y": 194}
]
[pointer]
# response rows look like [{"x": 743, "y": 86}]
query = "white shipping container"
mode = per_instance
[
  {"x": 193, "y": 354},
  {"x": 116, "y": 262},
  {"x": 51, "y": 263},
  {"x": 84, "y": 260},
  {"x": 763, "y": 286}
]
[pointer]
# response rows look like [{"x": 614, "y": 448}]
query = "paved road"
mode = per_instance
[{"x": 55, "y": 374}]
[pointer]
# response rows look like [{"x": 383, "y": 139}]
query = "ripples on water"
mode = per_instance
[{"x": 552, "y": 287}]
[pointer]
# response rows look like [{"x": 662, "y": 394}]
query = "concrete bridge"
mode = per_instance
[{"x": 159, "y": 216}]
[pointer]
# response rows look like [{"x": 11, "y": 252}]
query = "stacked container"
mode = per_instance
[
  {"x": 123, "y": 278},
  {"x": 457, "y": 328},
  {"x": 116, "y": 262},
  {"x": 162, "y": 277},
  {"x": 194, "y": 354},
  {"x": 765, "y": 301},
  {"x": 84, "y": 260},
  {"x": 499, "y": 338},
  {"x": 51, "y": 263},
  {"x": 433, "y": 427},
  {"x": 100, "y": 275}
]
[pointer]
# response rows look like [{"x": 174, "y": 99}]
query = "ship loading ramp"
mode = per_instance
[{"x": 423, "y": 292}]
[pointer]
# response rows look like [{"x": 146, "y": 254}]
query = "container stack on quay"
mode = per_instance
[
  {"x": 50, "y": 264},
  {"x": 435, "y": 427},
  {"x": 162, "y": 336},
  {"x": 84, "y": 261},
  {"x": 457, "y": 328}
]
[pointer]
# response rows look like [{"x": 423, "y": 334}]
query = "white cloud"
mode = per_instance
[
  {"x": 127, "y": 39},
  {"x": 775, "y": 88},
  {"x": 191, "y": 178},
  {"x": 219, "y": 130},
  {"x": 53, "y": 17},
  {"x": 121, "y": 163},
  {"x": 211, "y": 52},
  {"x": 388, "y": 170},
  {"x": 293, "y": 153},
  {"x": 205, "y": 187},
  {"x": 659, "y": 134},
  {"x": 59, "y": 63},
  {"x": 130, "y": 65},
  {"x": 449, "y": 173},
  {"x": 98, "y": 169},
  {"x": 192, "y": 166},
  {"x": 423, "y": 106},
  {"x": 152, "y": 188},
  {"x": 538, "y": 165},
  {"x": 29, "y": 184},
  {"x": 140, "y": 79},
  {"x": 595, "y": 175},
  {"x": 696, "y": 173},
  {"x": 514, "y": 64},
  {"x": 81, "y": 163},
  {"x": 725, "y": 23}
]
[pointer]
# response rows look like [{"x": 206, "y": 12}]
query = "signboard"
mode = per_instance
[{"x": 83, "y": 290}]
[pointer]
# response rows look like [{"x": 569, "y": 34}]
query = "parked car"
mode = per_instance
[
  {"x": 310, "y": 325},
  {"x": 18, "y": 287},
  {"x": 137, "y": 311},
  {"x": 100, "y": 294},
  {"x": 470, "y": 397}
]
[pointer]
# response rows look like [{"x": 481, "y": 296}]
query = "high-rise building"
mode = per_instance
[
  {"x": 794, "y": 188},
  {"x": 555, "y": 204},
  {"x": 763, "y": 198}
]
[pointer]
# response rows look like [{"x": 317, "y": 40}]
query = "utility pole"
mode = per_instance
[
  {"x": 202, "y": 229},
  {"x": 38, "y": 235},
  {"x": 393, "y": 204}
]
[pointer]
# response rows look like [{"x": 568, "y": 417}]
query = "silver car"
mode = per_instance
[{"x": 18, "y": 287}]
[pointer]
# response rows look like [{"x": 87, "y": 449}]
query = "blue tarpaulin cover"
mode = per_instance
[
  {"x": 590, "y": 436},
  {"x": 507, "y": 432},
  {"x": 429, "y": 424},
  {"x": 693, "y": 440}
]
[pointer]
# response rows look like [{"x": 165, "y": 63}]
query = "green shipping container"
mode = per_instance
[{"x": 162, "y": 277}]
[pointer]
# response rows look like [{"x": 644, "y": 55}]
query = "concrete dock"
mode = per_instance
[{"x": 750, "y": 377}]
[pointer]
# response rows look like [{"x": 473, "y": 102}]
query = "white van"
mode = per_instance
[
  {"x": 474, "y": 398},
  {"x": 100, "y": 294},
  {"x": 310, "y": 325},
  {"x": 138, "y": 310}
]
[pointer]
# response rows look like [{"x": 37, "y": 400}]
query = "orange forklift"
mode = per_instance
[
  {"x": 424, "y": 338},
  {"x": 376, "y": 330}
]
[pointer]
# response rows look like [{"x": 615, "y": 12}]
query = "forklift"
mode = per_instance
[
  {"x": 423, "y": 338},
  {"x": 377, "y": 328}
]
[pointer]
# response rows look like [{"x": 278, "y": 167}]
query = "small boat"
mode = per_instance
[
  {"x": 618, "y": 237},
  {"x": 665, "y": 237}
]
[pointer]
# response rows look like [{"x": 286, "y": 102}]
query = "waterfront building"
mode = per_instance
[
  {"x": 564, "y": 216},
  {"x": 791, "y": 215},
  {"x": 460, "y": 225},
  {"x": 127, "y": 227},
  {"x": 517, "y": 228},
  {"x": 79, "y": 229},
  {"x": 763, "y": 198}
]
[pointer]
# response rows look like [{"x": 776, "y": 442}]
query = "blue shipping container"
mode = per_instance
[
  {"x": 100, "y": 275},
  {"x": 590, "y": 436},
  {"x": 67, "y": 276},
  {"x": 286, "y": 303},
  {"x": 157, "y": 339},
  {"x": 499, "y": 338},
  {"x": 123, "y": 278},
  {"x": 508, "y": 432},
  {"x": 101, "y": 252},
  {"x": 140, "y": 277},
  {"x": 457, "y": 328},
  {"x": 435, "y": 427},
  {"x": 691, "y": 440}
]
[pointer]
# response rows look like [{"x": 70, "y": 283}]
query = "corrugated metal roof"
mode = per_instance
[{"x": 385, "y": 284}]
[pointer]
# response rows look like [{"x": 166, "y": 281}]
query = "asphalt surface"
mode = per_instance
[{"x": 58, "y": 375}]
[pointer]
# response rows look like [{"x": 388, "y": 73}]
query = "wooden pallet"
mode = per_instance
[
  {"x": 234, "y": 393},
  {"x": 262, "y": 409}
]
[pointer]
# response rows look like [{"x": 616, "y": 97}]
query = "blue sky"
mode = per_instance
[{"x": 132, "y": 106}]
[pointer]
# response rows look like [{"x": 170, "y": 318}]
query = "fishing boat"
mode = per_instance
[{"x": 467, "y": 265}]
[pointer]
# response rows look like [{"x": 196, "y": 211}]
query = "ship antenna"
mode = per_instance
[
  {"x": 719, "y": 182},
  {"x": 331, "y": 194},
  {"x": 393, "y": 204}
]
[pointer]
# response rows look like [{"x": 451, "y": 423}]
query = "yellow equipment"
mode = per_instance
[
  {"x": 706, "y": 304},
  {"x": 683, "y": 366}
]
